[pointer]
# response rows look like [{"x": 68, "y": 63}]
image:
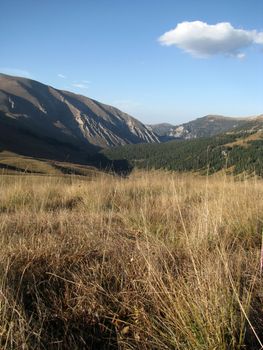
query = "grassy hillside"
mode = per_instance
[
  {"x": 12, "y": 163},
  {"x": 240, "y": 151},
  {"x": 154, "y": 261}
]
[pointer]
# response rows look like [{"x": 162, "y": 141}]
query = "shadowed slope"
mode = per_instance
[{"x": 68, "y": 117}]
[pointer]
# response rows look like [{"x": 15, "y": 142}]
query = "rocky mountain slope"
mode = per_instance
[
  {"x": 42, "y": 111},
  {"x": 207, "y": 126}
]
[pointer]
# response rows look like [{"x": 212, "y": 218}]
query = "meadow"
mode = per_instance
[{"x": 156, "y": 260}]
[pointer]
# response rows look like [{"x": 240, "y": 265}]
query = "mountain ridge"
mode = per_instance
[
  {"x": 207, "y": 126},
  {"x": 37, "y": 120},
  {"x": 67, "y": 116}
]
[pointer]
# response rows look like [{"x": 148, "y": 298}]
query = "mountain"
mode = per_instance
[
  {"x": 207, "y": 126},
  {"x": 31, "y": 111},
  {"x": 162, "y": 129},
  {"x": 238, "y": 151},
  {"x": 40, "y": 122}
]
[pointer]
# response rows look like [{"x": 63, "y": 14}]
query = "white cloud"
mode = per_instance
[
  {"x": 241, "y": 55},
  {"x": 80, "y": 86},
  {"x": 259, "y": 38},
  {"x": 16, "y": 72},
  {"x": 204, "y": 40},
  {"x": 62, "y": 76}
]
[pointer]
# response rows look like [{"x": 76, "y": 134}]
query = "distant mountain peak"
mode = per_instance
[{"x": 206, "y": 126}]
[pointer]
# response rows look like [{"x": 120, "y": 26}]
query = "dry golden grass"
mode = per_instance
[{"x": 154, "y": 261}]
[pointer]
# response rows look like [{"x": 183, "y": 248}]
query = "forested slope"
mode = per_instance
[{"x": 239, "y": 152}]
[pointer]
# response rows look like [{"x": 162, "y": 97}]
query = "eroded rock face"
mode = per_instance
[{"x": 68, "y": 117}]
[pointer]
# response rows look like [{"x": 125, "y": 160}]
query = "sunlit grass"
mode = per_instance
[{"x": 155, "y": 261}]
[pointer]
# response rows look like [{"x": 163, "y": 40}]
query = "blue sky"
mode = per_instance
[{"x": 111, "y": 50}]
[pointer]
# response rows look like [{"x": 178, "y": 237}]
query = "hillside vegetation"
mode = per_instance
[
  {"x": 158, "y": 260},
  {"x": 239, "y": 151}
]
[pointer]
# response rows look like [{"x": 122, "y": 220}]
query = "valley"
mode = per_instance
[
  {"x": 42, "y": 123},
  {"x": 117, "y": 235},
  {"x": 131, "y": 175},
  {"x": 237, "y": 151}
]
